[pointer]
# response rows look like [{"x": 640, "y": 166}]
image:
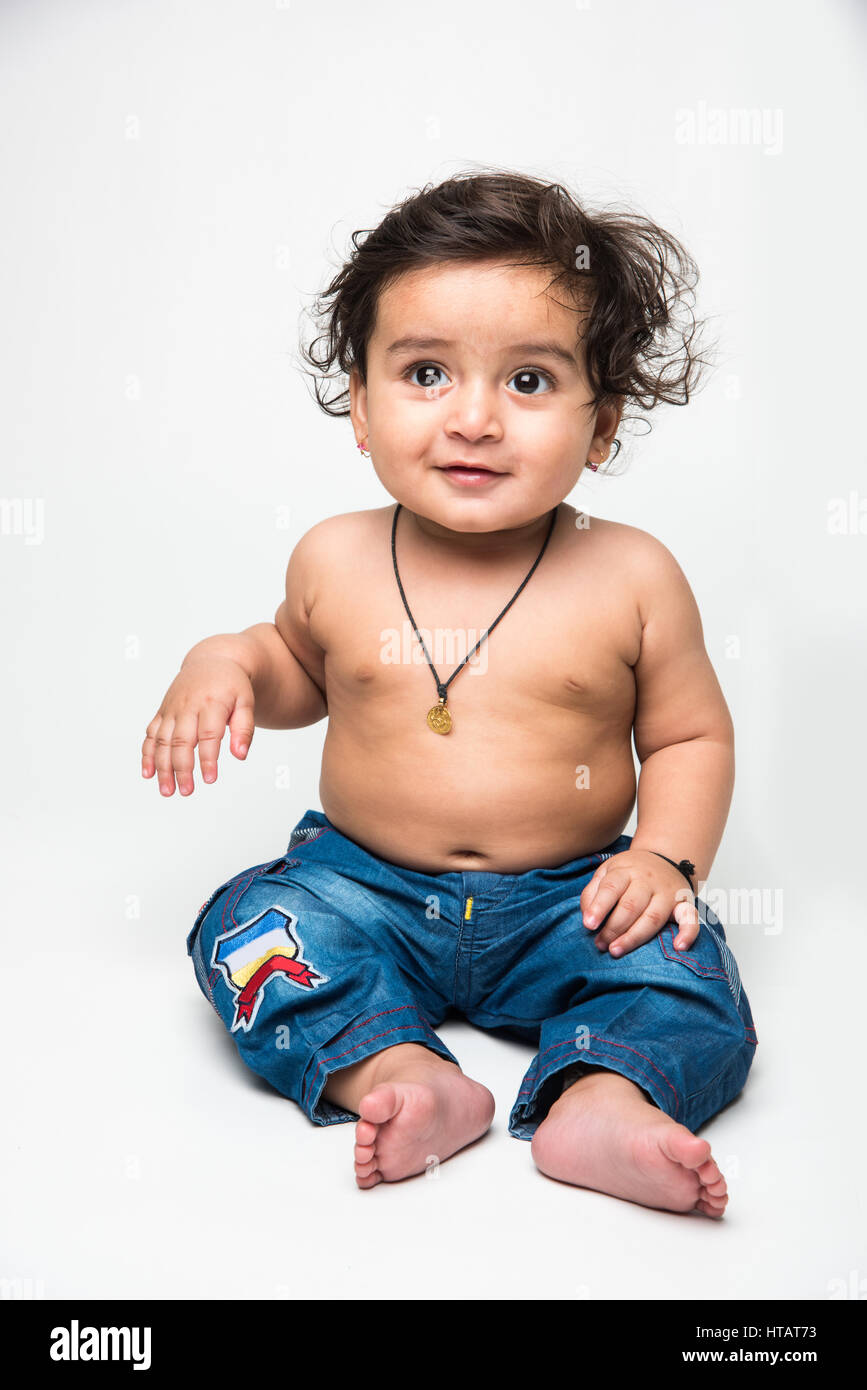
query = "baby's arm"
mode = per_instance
[
  {"x": 684, "y": 739},
  {"x": 684, "y": 736},
  {"x": 279, "y": 657},
  {"x": 244, "y": 679}
]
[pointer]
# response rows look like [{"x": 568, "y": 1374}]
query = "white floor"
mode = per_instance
[{"x": 145, "y": 1160}]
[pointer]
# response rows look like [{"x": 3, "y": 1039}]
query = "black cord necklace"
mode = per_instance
[{"x": 439, "y": 719}]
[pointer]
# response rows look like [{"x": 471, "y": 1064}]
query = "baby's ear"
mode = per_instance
[{"x": 356, "y": 385}]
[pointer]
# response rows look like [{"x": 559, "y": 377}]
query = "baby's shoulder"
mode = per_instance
[
  {"x": 637, "y": 563},
  {"x": 340, "y": 536},
  {"x": 627, "y": 542},
  {"x": 646, "y": 570},
  {"x": 619, "y": 541}
]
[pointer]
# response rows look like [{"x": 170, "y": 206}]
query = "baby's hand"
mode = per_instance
[
  {"x": 208, "y": 693},
  {"x": 645, "y": 892}
]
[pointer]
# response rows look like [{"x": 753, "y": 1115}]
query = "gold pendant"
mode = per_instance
[{"x": 439, "y": 718}]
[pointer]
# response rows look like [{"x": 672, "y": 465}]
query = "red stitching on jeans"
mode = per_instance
[
  {"x": 383, "y": 1013},
  {"x": 591, "y": 1052},
  {"x": 257, "y": 873},
  {"x": 608, "y": 1043},
  {"x": 240, "y": 889},
  {"x": 237, "y": 891},
  {"x": 713, "y": 972}
]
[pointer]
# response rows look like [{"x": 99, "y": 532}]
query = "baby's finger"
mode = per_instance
[
  {"x": 148, "y": 747},
  {"x": 183, "y": 751},
  {"x": 636, "y": 900},
  {"x": 241, "y": 726},
  {"x": 689, "y": 922},
  {"x": 212, "y": 726},
  {"x": 645, "y": 927},
  {"x": 592, "y": 888},
  {"x": 609, "y": 891},
  {"x": 163, "y": 755}
]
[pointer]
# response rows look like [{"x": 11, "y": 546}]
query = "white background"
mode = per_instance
[{"x": 179, "y": 180}]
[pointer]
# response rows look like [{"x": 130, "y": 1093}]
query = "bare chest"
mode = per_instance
[{"x": 568, "y": 640}]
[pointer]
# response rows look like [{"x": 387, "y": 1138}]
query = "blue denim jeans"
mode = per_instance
[{"x": 329, "y": 954}]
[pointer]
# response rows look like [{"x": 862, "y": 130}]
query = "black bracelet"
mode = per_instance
[{"x": 686, "y": 868}]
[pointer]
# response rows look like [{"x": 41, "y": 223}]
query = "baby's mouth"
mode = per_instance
[{"x": 468, "y": 470}]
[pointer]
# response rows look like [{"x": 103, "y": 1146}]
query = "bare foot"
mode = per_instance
[
  {"x": 427, "y": 1110},
  {"x": 603, "y": 1133}
]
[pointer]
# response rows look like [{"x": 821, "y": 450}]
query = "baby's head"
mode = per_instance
[{"x": 491, "y": 320}]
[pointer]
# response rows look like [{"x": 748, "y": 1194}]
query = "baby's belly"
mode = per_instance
[{"x": 503, "y": 807}]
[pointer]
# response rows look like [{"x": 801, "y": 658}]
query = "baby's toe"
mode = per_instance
[
  {"x": 365, "y": 1132},
  {"x": 716, "y": 1189},
  {"x": 370, "y": 1181},
  {"x": 709, "y": 1172},
  {"x": 682, "y": 1147},
  {"x": 380, "y": 1104}
]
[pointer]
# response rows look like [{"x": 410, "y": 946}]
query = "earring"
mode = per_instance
[
  {"x": 595, "y": 466},
  {"x": 365, "y": 452}
]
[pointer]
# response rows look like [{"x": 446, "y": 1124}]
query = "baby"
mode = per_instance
[{"x": 485, "y": 654}]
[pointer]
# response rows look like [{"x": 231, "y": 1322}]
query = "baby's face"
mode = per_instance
[{"x": 494, "y": 391}]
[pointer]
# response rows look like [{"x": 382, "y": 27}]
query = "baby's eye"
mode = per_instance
[
  {"x": 528, "y": 377},
  {"x": 427, "y": 368}
]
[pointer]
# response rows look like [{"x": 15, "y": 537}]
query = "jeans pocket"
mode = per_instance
[
  {"x": 727, "y": 960},
  {"x": 703, "y": 957},
  {"x": 204, "y": 909},
  {"x": 270, "y": 866}
]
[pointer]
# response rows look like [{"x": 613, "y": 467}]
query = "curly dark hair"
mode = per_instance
[{"x": 634, "y": 280}]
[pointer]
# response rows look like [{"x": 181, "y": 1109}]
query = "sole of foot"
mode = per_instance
[
  {"x": 409, "y": 1126},
  {"x": 602, "y": 1133}
]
